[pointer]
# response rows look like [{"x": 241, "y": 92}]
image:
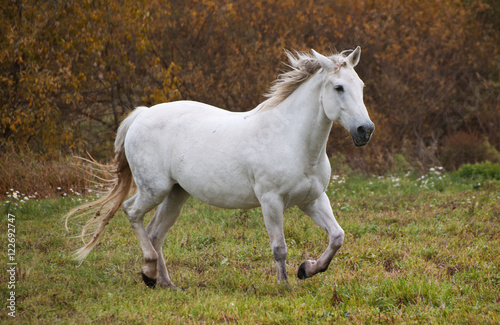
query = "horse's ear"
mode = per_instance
[
  {"x": 353, "y": 58},
  {"x": 325, "y": 62}
]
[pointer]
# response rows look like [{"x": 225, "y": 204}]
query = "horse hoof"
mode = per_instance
[
  {"x": 148, "y": 281},
  {"x": 301, "y": 274}
]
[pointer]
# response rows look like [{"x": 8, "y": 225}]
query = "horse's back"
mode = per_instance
[{"x": 195, "y": 145}]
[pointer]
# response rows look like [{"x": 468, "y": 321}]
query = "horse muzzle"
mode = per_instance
[{"x": 362, "y": 134}]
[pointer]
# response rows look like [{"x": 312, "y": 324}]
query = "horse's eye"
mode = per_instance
[{"x": 339, "y": 88}]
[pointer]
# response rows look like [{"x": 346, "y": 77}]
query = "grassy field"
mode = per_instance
[{"x": 417, "y": 250}]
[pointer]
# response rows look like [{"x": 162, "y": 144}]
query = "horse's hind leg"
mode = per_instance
[
  {"x": 164, "y": 218},
  {"x": 135, "y": 208},
  {"x": 321, "y": 212}
]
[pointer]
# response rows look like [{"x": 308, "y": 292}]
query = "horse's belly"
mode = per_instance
[
  {"x": 230, "y": 200},
  {"x": 223, "y": 195},
  {"x": 219, "y": 182}
]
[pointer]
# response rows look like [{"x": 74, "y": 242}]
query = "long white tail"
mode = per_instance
[{"x": 104, "y": 209}]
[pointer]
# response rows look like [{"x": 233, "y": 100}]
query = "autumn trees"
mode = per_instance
[{"x": 70, "y": 70}]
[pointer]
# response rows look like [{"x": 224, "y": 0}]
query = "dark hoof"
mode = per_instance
[
  {"x": 148, "y": 281},
  {"x": 301, "y": 274}
]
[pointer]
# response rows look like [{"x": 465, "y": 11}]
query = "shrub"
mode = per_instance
[
  {"x": 463, "y": 148},
  {"x": 481, "y": 171},
  {"x": 30, "y": 174}
]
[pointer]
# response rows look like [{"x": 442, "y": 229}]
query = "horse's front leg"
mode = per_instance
[
  {"x": 321, "y": 212},
  {"x": 272, "y": 209}
]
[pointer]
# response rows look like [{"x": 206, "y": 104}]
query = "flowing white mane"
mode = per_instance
[{"x": 303, "y": 65}]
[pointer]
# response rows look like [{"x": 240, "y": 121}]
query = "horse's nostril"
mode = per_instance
[{"x": 365, "y": 131}]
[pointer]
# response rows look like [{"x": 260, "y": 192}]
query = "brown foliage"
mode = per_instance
[
  {"x": 31, "y": 174},
  {"x": 71, "y": 70},
  {"x": 463, "y": 148}
]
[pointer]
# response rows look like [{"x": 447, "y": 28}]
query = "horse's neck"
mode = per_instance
[{"x": 308, "y": 125}]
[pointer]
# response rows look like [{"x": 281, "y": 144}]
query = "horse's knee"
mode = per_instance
[
  {"x": 279, "y": 252},
  {"x": 337, "y": 239}
]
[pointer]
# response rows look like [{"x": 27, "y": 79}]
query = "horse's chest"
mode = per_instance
[
  {"x": 307, "y": 189},
  {"x": 301, "y": 186}
]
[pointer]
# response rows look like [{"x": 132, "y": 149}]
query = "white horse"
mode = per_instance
[{"x": 273, "y": 156}]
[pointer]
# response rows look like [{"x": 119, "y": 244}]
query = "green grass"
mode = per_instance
[{"x": 416, "y": 250}]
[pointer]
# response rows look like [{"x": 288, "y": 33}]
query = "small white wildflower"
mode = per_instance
[{"x": 59, "y": 188}]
